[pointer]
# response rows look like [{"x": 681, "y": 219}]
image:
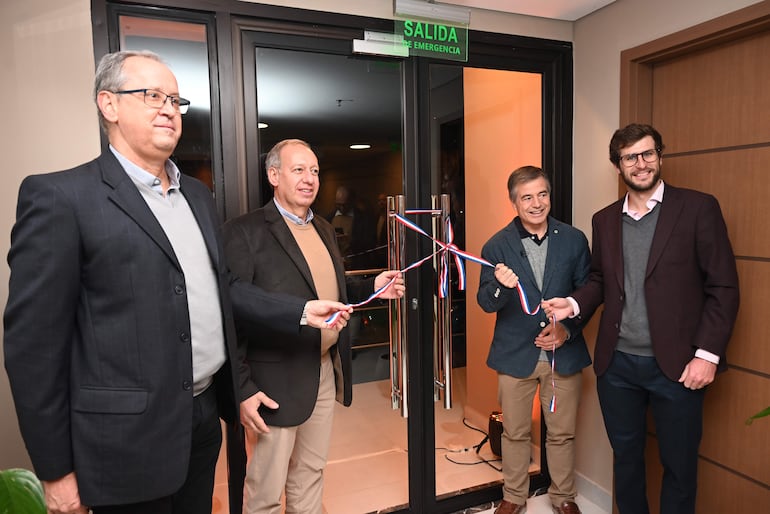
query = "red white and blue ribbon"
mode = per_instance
[
  {"x": 445, "y": 249},
  {"x": 552, "y": 406}
]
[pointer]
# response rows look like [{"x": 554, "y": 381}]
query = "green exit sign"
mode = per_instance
[{"x": 431, "y": 39}]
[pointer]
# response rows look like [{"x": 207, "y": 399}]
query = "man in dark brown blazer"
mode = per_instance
[
  {"x": 289, "y": 383},
  {"x": 663, "y": 267}
]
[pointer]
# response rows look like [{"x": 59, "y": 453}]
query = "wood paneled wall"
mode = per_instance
[{"x": 706, "y": 90}]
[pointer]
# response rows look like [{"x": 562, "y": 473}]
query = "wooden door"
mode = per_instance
[{"x": 706, "y": 90}]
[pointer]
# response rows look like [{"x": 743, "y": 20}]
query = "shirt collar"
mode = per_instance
[
  {"x": 293, "y": 217},
  {"x": 145, "y": 177},
  {"x": 656, "y": 198},
  {"x": 525, "y": 234}
]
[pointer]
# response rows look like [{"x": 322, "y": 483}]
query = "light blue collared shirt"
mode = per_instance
[
  {"x": 293, "y": 217},
  {"x": 143, "y": 176}
]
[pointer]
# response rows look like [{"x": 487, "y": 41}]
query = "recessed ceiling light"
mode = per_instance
[
  {"x": 360, "y": 147},
  {"x": 261, "y": 125}
]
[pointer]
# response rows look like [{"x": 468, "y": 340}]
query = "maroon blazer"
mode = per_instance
[{"x": 691, "y": 285}]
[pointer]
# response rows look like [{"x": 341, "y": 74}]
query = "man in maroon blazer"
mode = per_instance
[{"x": 663, "y": 267}]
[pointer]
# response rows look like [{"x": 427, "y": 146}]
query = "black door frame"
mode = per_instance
[{"x": 225, "y": 20}]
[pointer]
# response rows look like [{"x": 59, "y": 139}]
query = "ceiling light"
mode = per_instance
[
  {"x": 360, "y": 147},
  {"x": 262, "y": 125},
  {"x": 431, "y": 11}
]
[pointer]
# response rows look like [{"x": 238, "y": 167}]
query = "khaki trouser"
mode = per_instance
[
  {"x": 515, "y": 396},
  {"x": 292, "y": 459}
]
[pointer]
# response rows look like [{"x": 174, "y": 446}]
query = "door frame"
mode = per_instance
[{"x": 234, "y": 196}]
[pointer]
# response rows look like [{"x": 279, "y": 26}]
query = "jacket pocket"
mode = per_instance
[{"x": 111, "y": 400}]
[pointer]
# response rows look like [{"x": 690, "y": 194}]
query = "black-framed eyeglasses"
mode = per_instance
[
  {"x": 632, "y": 158},
  {"x": 157, "y": 99}
]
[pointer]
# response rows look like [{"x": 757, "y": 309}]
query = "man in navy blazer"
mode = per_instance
[
  {"x": 529, "y": 350},
  {"x": 665, "y": 271},
  {"x": 119, "y": 332}
]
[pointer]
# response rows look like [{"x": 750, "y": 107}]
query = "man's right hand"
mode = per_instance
[
  {"x": 62, "y": 497},
  {"x": 506, "y": 276},
  {"x": 250, "y": 417},
  {"x": 559, "y": 307}
]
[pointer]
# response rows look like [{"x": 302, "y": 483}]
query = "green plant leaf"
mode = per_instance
[
  {"x": 20, "y": 491},
  {"x": 760, "y": 414}
]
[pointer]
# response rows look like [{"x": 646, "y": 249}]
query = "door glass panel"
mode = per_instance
[
  {"x": 484, "y": 124},
  {"x": 183, "y": 46},
  {"x": 334, "y": 101}
]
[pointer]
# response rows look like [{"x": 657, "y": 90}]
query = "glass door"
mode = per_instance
[
  {"x": 349, "y": 109},
  {"x": 433, "y": 128},
  {"x": 484, "y": 123}
]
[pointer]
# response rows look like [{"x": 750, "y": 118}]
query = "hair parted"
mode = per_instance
[
  {"x": 109, "y": 74},
  {"x": 523, "y": 175}
]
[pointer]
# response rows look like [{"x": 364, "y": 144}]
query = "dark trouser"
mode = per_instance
[
  {"x": 630, "y": 385},
  {"x": 195, "y": 495}
]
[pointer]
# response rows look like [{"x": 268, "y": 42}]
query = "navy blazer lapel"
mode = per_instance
[
  {"x": 670, "y": 210},
  {"x": 283, "y": 235},
  {"x": 555, "y": 249},
  {"x": 126, "y": 196}
]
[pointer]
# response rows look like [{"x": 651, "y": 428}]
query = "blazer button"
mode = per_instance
[
  {"x": 542, "y": 324},
  {"x": 185, "y": 337},
  {"x": 179, "y": 289},
  {"x": 186, "y": 385}
]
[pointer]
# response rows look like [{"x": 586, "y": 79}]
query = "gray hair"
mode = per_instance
[
  {"x": 273, "y": 159},
  {"x": 109, "y": 74}
]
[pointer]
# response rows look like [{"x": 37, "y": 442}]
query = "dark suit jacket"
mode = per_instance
[
  {"x": 261, "y": 249},
  {"x": 691, "y": 285},
  {"x": 513, "y": 351},
  {"x": 97, "y": 332}
]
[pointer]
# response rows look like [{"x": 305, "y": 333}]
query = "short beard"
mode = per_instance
[{"x": 642, "y": 189}]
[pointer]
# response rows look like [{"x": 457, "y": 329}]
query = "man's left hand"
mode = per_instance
[
  {"x": 395, "y": 290},
  {"x": 552, "y": 337},
  {"x": 698, "y": 373}
]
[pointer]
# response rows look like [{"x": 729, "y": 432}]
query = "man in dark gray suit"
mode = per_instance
[
  {"x": 529, "y": 350},
  {"x": 119, "y": 332}
]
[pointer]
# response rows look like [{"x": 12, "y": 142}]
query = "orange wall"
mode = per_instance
[{"x": 502, "y": 132}]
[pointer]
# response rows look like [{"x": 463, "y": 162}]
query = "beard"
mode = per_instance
[{"x": 641, "y": 188}]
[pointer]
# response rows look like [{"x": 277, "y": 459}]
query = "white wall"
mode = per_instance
[{"x": 49, "y": 123}]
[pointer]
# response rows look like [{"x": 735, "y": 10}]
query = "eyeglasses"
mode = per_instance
[
  {"x": 157, "y": 99},
  {"x": 632, "y": 158}
]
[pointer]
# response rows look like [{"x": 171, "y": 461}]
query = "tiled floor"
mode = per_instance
[
  {"x": 367, "y": 467},
  {"x": 540, "y": 505}
]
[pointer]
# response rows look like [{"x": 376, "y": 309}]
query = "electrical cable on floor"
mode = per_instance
[{"x": 476, "y": 447}]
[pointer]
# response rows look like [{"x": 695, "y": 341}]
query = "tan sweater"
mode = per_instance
[{"x": 321, "y": 268}]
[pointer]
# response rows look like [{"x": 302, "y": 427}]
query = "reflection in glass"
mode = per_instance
[
  {"x": 333, "y": 101},
  {"x": 484, "y": 124}
]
